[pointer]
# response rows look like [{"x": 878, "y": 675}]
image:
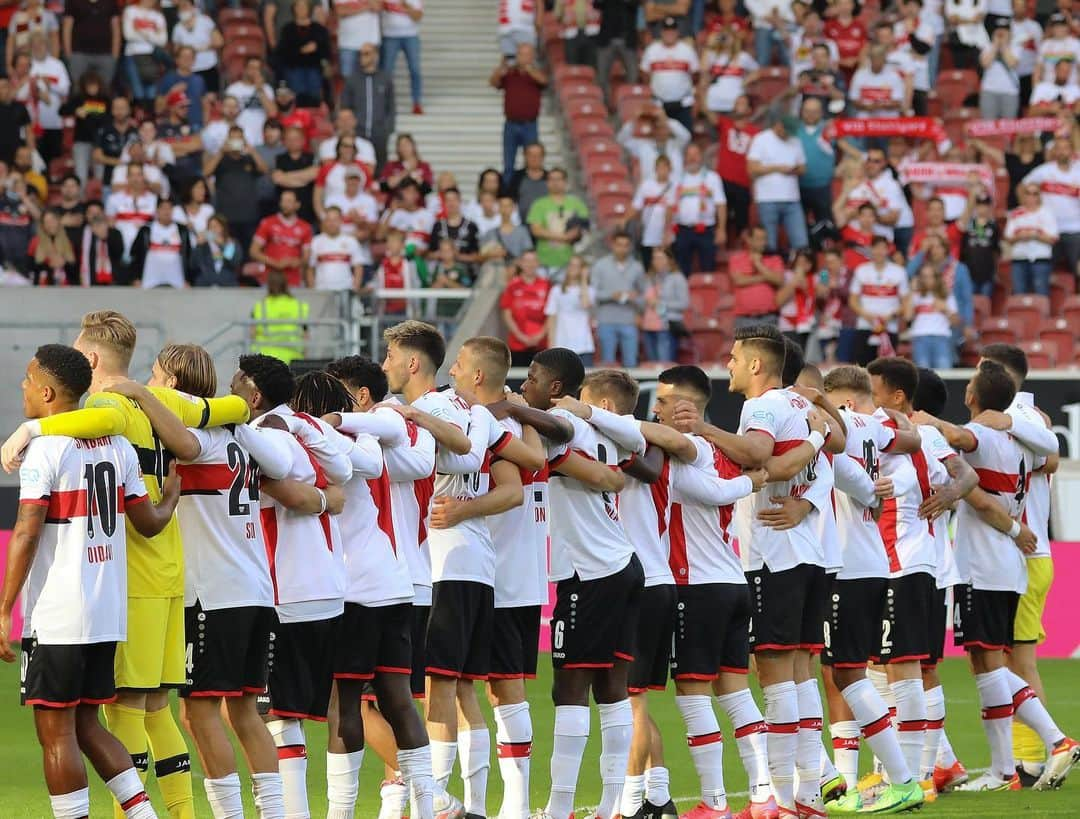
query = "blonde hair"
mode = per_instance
[
  {"x": 112, "y": 331},
  {"x": 615, "y": 385},
  {"x": 938, "y": 288},
  {"x": 420, "y": 337},
  {"x": 192, "y": 368},
  {"x": 849, "y": 377},
  {"x": 493, "y": 354}
]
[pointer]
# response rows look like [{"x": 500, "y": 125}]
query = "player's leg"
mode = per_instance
[
  {"x": 692, "y": 697},
  {"x": 935, "y": 700},
  {"x": 810, "y": 753},
  {"x": 1028, "y": 748},
  {"x": 633, "y": 794},
  {"x": 201, "y": 718},
  {"x": 112, "y": 763},
  {"x": 473, "y": 736},
  {"x": 843, "y": 729},
  {"x": 344, "y": 748},
  {"x": 513, "y": 738},
  {"x": 616, "y": 733},
  {"x": 260, "y": 753},
  {"x": 658, "y": 778},
  {"x": 570, "y": 694},
  {"x": 448, "y": 631}
]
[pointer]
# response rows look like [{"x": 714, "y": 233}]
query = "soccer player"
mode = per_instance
[
  {"x": 69, "y": 549},
  {"x": 711, "y": 646},
  {"x": 599, "y": 579},
  {"x": 1029, "y": 632},
  {"x": 308, "y": 575},
  {"x": 995, "y": 575},
  {"x": 860, "y": 591},
  {"x": 520, "y": 537},
  {"x": 785, "y": 566},
  {"x": 151, "y": 661},
  {"x": 394, "y": 729}
]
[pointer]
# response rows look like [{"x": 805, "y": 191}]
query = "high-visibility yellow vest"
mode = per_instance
[{"x": 284, "y": 341}]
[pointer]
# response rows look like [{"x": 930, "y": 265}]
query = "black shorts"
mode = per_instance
[
  {"x": 63, "y": 676},
  {"x": 906, "y": 622},
  {"x": 301, "y": 669},
  {"x": 652, "y": 652},
  {"x": 939, "y": 617},
  {"x": 853, "y": 631},
  {"x": 227, "y": 650},
  {"x": 788, "y": 608},
  {"x": 515, "y": 643},
  {"x": 420, "y": 615},
  {"x": 374, "y": 639},
  {"x": 459, "y": 630},
  {"x": 984, "y": 619},
  {"x": 595, "y": 621},
  {"x": 712, "y": 627}
]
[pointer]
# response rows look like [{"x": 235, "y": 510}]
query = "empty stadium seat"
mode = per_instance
[
  {"x": 1070, "y": 310},
  {"x": 580, "y": 91},
  {"x": 982, "y": 308},
  {"x": 712, "y": 346},
  {"x": 612, "y": 209},
  {"x": 584, "y": 107},
  {"x": 1026, "y": 312},
  {"x": 715, "y": 280},
  {"x": 574, "y": 73},
  {"x": 1040, "y": 356},
  {"x": 585, "y": 127},
  {"x": 241, "y": 15},
  {"x": 771, "y": 82},
  {"x": 953, "y": 87},
  {"x": 245, "y": 30},
  {"x": 1060, "y": 336},
  {"x": 619, "y": 187},
  {"x": 998, "y": 329},
  {"x": 1062, "y": 285}
]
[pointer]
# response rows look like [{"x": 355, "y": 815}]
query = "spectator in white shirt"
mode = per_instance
[
  {"x": 775, "y": 162},
  {"x": 519, "y": 22},
  {"x": 335, "y": 261},
  {"x": 359, "y": 209},
  {"x": 1026, "y": 36},
  {"x": 652, "y": 206},
  {"x": 198, "y": 31},
  {"x": 725, "y": 72},
  {"x": 569, "y": 311},
  {"x": 879, "y": 295},
  {"x": 1058, "y": 44},
  {"x": 51, "y": 87},
  {"x": 1059, "y": 181},
  {"x": 145, "y": 37},
  {"x": 256, "y": 99},
  {"x": 652, "y": 135},
  {"x": 358, "y": 23},
  {"x": 700, "y": 214},
  {"x": 773, "y": 20},
  {"x": 969, "y": 36},
  {"x": 877, "y": 89},
  {"x": 931, "y": 315},
  {"x": 1057, "y": 95},
  {"x": 670, "y": 66},
  {"x": 999, "y": 94},
  {"x": 1031, "y": 231},
  {"x": 401, "y": 32}
]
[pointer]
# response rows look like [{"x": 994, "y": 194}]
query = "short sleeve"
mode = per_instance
[
  {"x": 506, "y": 300},
  {"x": 757, "y": 149},
  {"x": 703, "y": 456},
  {"x": 37, "y": 475},
  {"x": 551, "y": 306},
  {"x": 758, "y": 416},
  {"x": 262, "y": 232},
  {"x": 134, "y": 488}
]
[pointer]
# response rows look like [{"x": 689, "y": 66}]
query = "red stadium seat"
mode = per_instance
[
  {"x": 712, "y": 346},
  {"x": 704, "y": 296},
  {"x": 998, "y": 329},
  {"x": 1062, "y": 285},
  {"x": 599, "y": 167},
  {"x": 612, "y": 209},
  {"x": 772, "y": 82},
  {"x": 242, "y": 31},
  {"x": 584, "y": 107},
  {"x": 1070, "y": 311},
  {"x": 620, "y": 187},
  {"x": 1040, "y": 356},
  {"x": 242, "y": 15},
  {"x": 574, "y": 73},
  {"x": 597, "y": 148},
  {"x": 982, "y": 308},
  {"x": 721, "y": 282},
  {"x": 580, "y": 91},
  {"x": 1060, "y": 336},
  {"x": 1027, "y": 311},
  {"x": 953, "y": 87},
  {"x": 582, "y": 128},
  {"x": 600, "y": 175},
  {"x": 956, "y": 120},
  {"x": 242, "y": 49}
]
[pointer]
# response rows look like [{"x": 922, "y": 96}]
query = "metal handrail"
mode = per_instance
[
  {"x": 67, "y": 331},
  {"x": 344, "y": 345}
]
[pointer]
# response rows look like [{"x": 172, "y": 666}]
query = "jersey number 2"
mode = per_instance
[{"x": 245, "y": 479}]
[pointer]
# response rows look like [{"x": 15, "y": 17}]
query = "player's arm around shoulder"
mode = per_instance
[
  {"x": 203, "y": 412},
  {"x": 167, "y": 422},
  {"x": 506, "y": 493},
  {"x": 103, "y": 415}
]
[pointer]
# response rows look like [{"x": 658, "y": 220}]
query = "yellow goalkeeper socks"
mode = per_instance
[
  {"x": 172, "y": 764},
  {"x": 127, "y": 724},
  {"x": 1027, "y": 747}
]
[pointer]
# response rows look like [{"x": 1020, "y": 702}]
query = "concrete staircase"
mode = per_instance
[{"x": 461, "y": 127}]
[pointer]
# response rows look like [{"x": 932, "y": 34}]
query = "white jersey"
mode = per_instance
[
  {"x": 703, "y": 496},
  {"x": 1037, "y": 509},
  {"x": 76, "y": 592},
  {"x": 643, "y": 508},
  {"x": 517, "y": 15},
  {"x": 415, "y": 224},
  {"x": 252, "y": 116},
  {"x": 937, "y": 452},
  {"x": 587, "y": 538},
  {"x": 465, "y": 551},
  {"x": 860, "y": 539},
  {"x": 671, "y": 71},
  {"x": 520, "y": 536},
  {"x": 334, "y": 258},
  {"x": 881, "y": 292},
  {"x": 986, "y": 558},
  {"x": 306, "y": 559},
  {"x": 909, "y": 543},
  {"x": 129, "y": 213},
  {"x": 825, "y": 480},
  {"x": 225, "y": 556},
  {"x": 781, "y": 414},
  {"x": 396, "y": 22}
]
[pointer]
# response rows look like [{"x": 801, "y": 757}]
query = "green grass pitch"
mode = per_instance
[{"x": 23, "y": 795}]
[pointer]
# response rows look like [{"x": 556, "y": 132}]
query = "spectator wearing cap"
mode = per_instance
[
  {"x": 94, "y": 44},
  {"x": 1058, "y": 44},
  {"x": 198, "y": 31},
  {"x": 145, "y": 37},
  {"x": 401, "y": 32},
  {"x": 658, "y": 12},
  {"x": 359, "y": 209},
  {"x": 529, "y": 183},
  {"x": 670, "y": 66},
  {"x": 772, "y": 21},
  {"x": 296, "y": 171},
  {"x": 51, "y": 87},
  {"x": 522, "y": 82},
  {"x": 283, "y": 240},
  {"x": 1059, "y": 184},
  {"x": 579, "y": 23},
  {"x": 176, "y": 130},
  {"x": 618, "y": 280},
  {"x": 357, "y": 26},
  {"x": 368, "y": 94},
  {"x": 776, "y": 161},
  {"x": 1059, "y": 95},
  {"x": 734, "y": 135},
  {"x": 999, "y": 93},
  {"x": 557, "y": 222},
  {"x": 523, "y": 305},
  {"x": 617, "y": 40},
  {"x": 302, "y": 53},
  {"x": 256, "y": 99},
  {"x": 700, "y": 214},
  {"x": 183, "y": 79},
  {"x": 653, "y": 134},
  {"x": 113, "y": 137},
  {"x": 235, "y": 170},
  {"x": 330, "y": 180}
]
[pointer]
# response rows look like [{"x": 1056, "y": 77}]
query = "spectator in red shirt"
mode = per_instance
[
  {"x": 756, "y": 278},
  {"x": 290, "y": 116},
  {"x": 522, "y": 304},
  {"x": 935, "y": 225},
  {"x": 849, "y": 34},
  {"x": 734, "y": 135},
  {"x": 407, "y": 163},
  {"x": 858, "y": 235},
  {"x": 522, "y": 83},
  {"x": 283, "y": 239}
]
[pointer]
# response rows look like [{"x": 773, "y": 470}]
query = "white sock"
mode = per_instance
[
  {"x": 808, "y": 751},
  {"x": 997, "y": 710},
  {"x": 845, "y": 743},
  {"x": 288, "y": 736},
  {"x": 474, "y": 753},
  {"x": 872, "y": 715},
  {"x": 513, "y": 736},
  {"x": 130, "y": 794},
  {"x": 750, "y": 737},
  {"x": 571, "y": 735},
  {"x": 782, "y": 715},
  {"x": 633, "y": 794},
  {"x": 1028, "y": 708},
  {"x": 342, "y": 783},
  {"x": 393, "y": 798},
  {"x": 616, "y": 734},
  {"x": 224, "y": 797},
  {"x": 269, "y": 795},
  {"x": 72, "y": 805},
  {"x": 910, "y": 720},
  {"x": 935, "y": 725},
  {"x": 828, "y": 769},
  {"x": 658, "y": 785},
  {"x": 880, "y": 680},
  {"x": 415, "y": 764},
  {"x": 443, "y": 755},
  {"x": 706, "y": 747},
  {"x": 946, "y": 757}
]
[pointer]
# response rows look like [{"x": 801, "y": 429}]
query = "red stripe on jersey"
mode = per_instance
[
  {"x": 880, "y": 291},
  {"x": 887, "y": 527},
  {"x": 423, "y": 490},
  {"x": 205, "y": 477},
  {"x": 780, "y": 447},
  {"x": 320, "y": 483},
  {"x": 71, "y": 503},
  {"x": 677, "y": 560},
  {"x": 991, "y": 480},
  {"x": 660, "y": 492},
  {"x": 380, "y": 496},
  {"x": 922, "y": 473},
  {"x": 270, "y": 533}
]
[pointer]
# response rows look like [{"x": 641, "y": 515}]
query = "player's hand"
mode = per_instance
[
  {"x": 994, "y": 419},
  {"x": 121, "y": 385},
  {"x": 811, "y": 394},
  {"x": 758, "y": 477},
  {"x": 11, "y": 454},
  {"x": 333, "y": 419},
  {"x": 787, "y": 513},
  {"x": 500, "y": 409},
  {"x": 939, "y": 502},
  {"x": 902, "y": 421},
  {"x": 920, "y": 418},
  {"x": 1026, "y": 541},
  {"x": 516, "y": 398},
  {"x": 406, "y": 411},
  {"x": 7, "y": 653},
  {"x": 575, "y": 407},
  {"x": 686, "y": 417},
  {"x": 335, "y": 499},
  {"x": 446, "y": 512},
  {"x": 883, "y": 488},
  {"x": 170, "y": 490},
  {"x": 817, "y": 422}
]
